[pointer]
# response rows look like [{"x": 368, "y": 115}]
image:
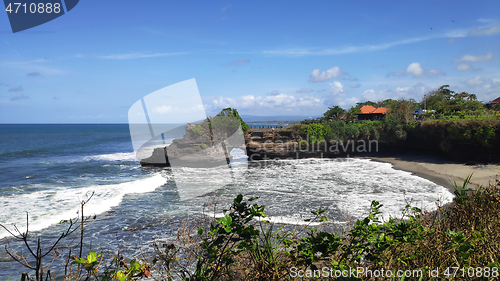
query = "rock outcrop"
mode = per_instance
[
  {"x": 265, "y": 144},
  {"x": 203, "y": 145}
]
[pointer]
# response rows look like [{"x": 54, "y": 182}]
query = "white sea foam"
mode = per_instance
[
  {"x": 120, "y": 156},
  {"x": 291, "y": 189},
  {"x": 113, "y": 157},
  {"x": 346, "y": 186},
  {"x": 49, "y": 207}
]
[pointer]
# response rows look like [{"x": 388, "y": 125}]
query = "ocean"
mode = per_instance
[{"x": 47, "y": 170}]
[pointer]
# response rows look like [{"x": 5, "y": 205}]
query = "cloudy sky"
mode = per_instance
[{"x": 261, "y": 57}]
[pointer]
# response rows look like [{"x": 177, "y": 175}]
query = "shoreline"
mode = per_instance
[{"x": 441, "y": 171}]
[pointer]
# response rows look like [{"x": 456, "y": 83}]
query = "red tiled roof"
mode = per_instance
[
  {"x": 368, "y": 109},
  {"x": 497, "y": 100},
  {"x": 380, "y": 110}
]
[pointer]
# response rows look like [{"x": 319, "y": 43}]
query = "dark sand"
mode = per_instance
[{"x": 442, "y": 171}]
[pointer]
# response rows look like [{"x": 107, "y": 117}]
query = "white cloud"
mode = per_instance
[
  {"x": 304, "y": 90},
  {"x": 452, "y": 33},
  {"x": 418, "y": 71},
  {"x": 196, "y": 108},
  {"x": 348, "y": 102},
  {"x": 463, "y": 67},
  {"x": 368, "y": 94},
  {"x": 490, "y": 30},
  {"x": 247, "y": 101},
  {"x": 351, "y": 49},
  {"x": 472, "y": 58},
  {"x": 434, "y": 72},
  {"x": 371, "y": 95},
  {"x": 279, "y": 102},
  {"x": 487, "y": 20},
  {"x": 338, "y": 97},
  {"x": 485, "y": 88},
  {"x": 475, "y": 81},
  {"x": 415, "y": 92},
  {"x": 163, "y": 109},
  {"x": 222, "y": 102},
  {"x": 319, "y": 76},
  {"x": 402, "y": 90},
  {"x": 336, "y": 88}
]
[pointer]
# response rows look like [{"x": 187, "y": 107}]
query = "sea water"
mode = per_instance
[{"x": 46, "y": 171}]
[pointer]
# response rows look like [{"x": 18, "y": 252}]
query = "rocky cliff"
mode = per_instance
[
  {"x": 467, "y": 142},
  {"x": 203, "y": 145}
]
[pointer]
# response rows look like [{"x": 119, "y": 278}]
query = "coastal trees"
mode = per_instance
[
  {"x": 447, "y": 102},
  {"x": 432, "y": 99},
  {"x": 334, "y": 112},
  {"x": 400, "y": 111},
  {"x": 352, "y": 114}
]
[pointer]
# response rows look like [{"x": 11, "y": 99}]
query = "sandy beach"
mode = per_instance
[{"x": 442, "y": 171}]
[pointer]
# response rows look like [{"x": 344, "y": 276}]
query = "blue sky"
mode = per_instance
[{"x": 261, "y": 57}]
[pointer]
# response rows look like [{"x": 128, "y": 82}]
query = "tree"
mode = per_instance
[
  {"x": 400, "y": 112},
  {"x": 496, "y": 107},
  {"x": 433, "y": 99},
  {"x": 465, "y": 96},
  {"x": 386, "y": 103},
  {"x": 334, "y": 112},
  {"x": 360, "y": 104},
  {"x": 352, "y": 114}
]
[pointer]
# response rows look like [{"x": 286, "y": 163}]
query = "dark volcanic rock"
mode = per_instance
[{"x": 203, "y": 145}]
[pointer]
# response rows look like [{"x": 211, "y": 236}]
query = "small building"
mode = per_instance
[
  {"x": 369, "y": 112},
  {"x": 492, "y": 103}
]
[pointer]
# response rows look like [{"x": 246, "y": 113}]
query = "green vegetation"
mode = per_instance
[
  {"x": 233, "y": 115},
  {"x": 335, "y": 112},
  {"x": 451, "y": 121},
  {"x": 447, "y": 102},
  {"x": 224, "y": 124},
  {"x": 457, "y": 133},
  {"x": 197, "y": 130}
]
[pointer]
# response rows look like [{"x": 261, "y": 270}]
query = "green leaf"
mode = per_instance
[
  {"x": 120, "y": 276},
  {"x": 91, "y": 257},
  {"x": 226, "y": 220}
]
